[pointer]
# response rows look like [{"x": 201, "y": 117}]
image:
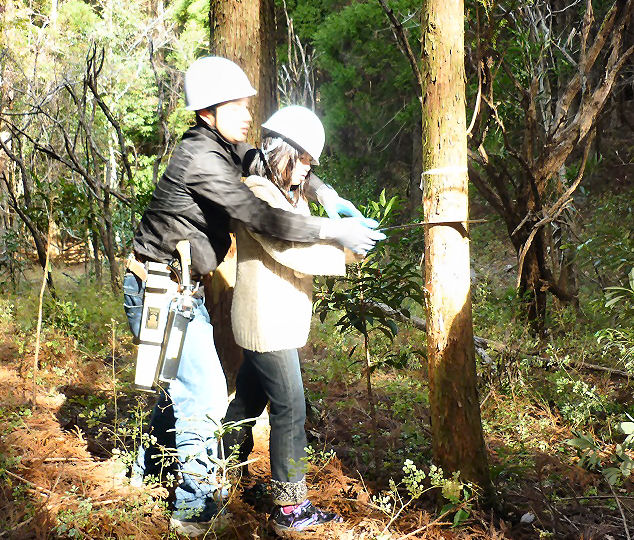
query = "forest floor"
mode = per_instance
[{"x": 64, "y": 461}]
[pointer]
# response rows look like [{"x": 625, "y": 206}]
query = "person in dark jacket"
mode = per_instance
[{"x": 196, "y": 199}]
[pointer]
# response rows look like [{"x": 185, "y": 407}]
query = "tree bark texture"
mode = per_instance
[
  {"x": 243, "y": 32},
  {"x": 458, "y": 443}
]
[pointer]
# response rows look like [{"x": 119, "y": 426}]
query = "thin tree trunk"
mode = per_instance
[
  {"x": 532, "y": 293},
  {"x": 109, "y": 245},
  {"x": 41, "y": 246},
  {"x": 95, "y": 249},
  {"x": 105, "y": 233},
  {"x": 458, "y": 442},
  {"x": 378, "y": 462},
  {"x": 38, "y": 332}
]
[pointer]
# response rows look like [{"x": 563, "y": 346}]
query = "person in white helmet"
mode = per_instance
[
  {"x": 271, "y": 315},
  {"x": 196, "y": 199}
]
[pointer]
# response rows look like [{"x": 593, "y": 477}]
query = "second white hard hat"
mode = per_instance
[
  {"x": 300, "y": 126},
  {"x": 212, "y": 80}
]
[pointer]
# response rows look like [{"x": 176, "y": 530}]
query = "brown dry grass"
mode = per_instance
[
  {"x": 51, "y": 475},
  {"x": 53, "y": 472}
]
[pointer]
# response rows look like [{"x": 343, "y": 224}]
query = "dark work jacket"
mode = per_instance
[{"x": 199, "y": 193}]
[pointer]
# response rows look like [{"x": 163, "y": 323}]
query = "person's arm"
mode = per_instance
[
  {"x": 248, "y": 156},
  {"x": 312, "y": 186},
  {"x": 215, "y": 181},
  {"x": 327, "y": 196},
  {"x": 318, "y": 258}
]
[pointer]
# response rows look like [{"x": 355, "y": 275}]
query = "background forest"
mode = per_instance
[{"x": 91, "y": 108}]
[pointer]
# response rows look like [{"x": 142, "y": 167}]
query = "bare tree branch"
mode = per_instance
[
  {"x": 403, "y": 44},
  {"x": 92, "y": 71},
  {"x": 551, "y": 214}
]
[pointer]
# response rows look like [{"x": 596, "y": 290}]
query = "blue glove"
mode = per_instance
[
  {"x": 344, "y": 207},
  {"x": 334, "y": 205}
]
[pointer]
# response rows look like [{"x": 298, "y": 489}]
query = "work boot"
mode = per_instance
[
  {"x": 194, "y": 529},
  {"x": 192, "y": 524},
  {"x": 304, "y": 517}
]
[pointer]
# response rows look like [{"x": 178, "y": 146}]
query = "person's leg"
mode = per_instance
[
  {"x": 249, "y": 402},
  {"x": 152, "y": 458},
  {"x": 159, "y": 456},
  {"x": 280, "y": 376},
  {"x": 281, "y": 379},
  {"x": 199, "y": 397},
  {"x": 133, "y": 291}
]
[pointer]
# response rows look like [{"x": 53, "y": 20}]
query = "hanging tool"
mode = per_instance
[
  {"x": 179, "y": 316},
  {"x": 167, "y": 311}
]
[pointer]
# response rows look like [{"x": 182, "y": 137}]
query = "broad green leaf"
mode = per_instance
[
  {"x": 393, "y": 326},
  {"x": 461, "y": 516},
  {"x": 582, "y": 443},
  {"x": 611, "y": 475}
]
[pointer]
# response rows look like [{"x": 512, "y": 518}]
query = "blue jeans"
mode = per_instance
[
  {"x": 197, "y": 400},
  {"x": 275, "y": 377}
]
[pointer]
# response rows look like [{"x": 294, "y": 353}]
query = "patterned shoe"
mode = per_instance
[{"x": 304, "y": 518}]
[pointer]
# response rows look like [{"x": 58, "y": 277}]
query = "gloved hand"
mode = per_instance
[
  {"x": 354, "y": 233},
  {"x": 335, "y": 205}
]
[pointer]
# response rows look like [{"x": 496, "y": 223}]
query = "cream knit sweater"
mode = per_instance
[{"x": 272, "y": 299}]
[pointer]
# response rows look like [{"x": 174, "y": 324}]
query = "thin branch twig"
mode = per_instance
[
  {"x": 38, "y": 332},
  {"x": 403, "y": 44}
]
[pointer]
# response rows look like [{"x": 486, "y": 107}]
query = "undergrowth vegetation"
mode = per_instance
[{"x": 557, "y": 411}]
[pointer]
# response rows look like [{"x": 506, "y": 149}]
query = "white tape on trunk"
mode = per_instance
[{"x": 451, "y": 169}]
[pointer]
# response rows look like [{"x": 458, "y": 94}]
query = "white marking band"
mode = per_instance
[{"x": 451, "y": 169}]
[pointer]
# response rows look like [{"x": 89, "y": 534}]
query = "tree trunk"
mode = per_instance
[
  {"x": 458, "y": 442},
  {"x": 95, "y": 249},
  {"x": 532, "y": 293},
  {"x": 245, "y": 33},
  {"x": 105, "y": 232}
]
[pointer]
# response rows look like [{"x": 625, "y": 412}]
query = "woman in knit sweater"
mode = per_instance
[{"x": 271, "y": 314}]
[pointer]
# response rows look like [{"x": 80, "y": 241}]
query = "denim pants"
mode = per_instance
[
  {"x": 274, "y": 377},
  {"x": 196, "y": 400}
]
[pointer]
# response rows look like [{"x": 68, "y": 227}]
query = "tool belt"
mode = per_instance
[{"x": 136, "y": 267}]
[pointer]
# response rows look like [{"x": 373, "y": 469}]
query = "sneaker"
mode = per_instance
[
  {"x": 211, "y": 518},
  {"x": 303, "y": 518},
  {"x": 192, "y": 529}
]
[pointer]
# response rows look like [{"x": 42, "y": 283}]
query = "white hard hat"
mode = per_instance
[
  {"x": 300, "y": 126},
  {"x": 212, "y": 80}
]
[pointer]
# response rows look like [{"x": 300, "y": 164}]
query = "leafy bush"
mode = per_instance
[
  {"x": 620, "y": 340},
  {"x": 12, "y": 260},
  {"x": 594, "y": 456},
  {"x": 577, "y": 400},
  {"x": 458, "y": 495},
  {"x": 65, "y": 316}
]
